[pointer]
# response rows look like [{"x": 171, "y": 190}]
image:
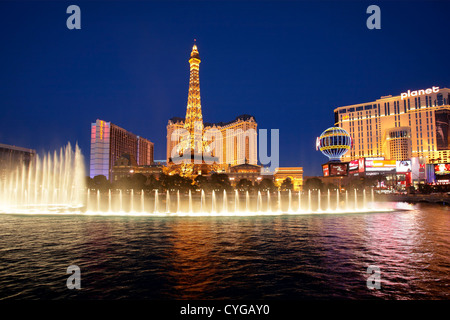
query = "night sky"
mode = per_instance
[{"x": 287, "y": 63}]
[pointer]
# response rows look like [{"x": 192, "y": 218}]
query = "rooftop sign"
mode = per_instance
[{"x": 419, "y": 92}]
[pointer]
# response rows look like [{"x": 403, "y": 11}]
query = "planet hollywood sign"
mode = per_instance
[{"x": 419, "y": 92}]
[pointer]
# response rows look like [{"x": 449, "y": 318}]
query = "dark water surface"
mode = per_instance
[{"x": 267, "y": 257}]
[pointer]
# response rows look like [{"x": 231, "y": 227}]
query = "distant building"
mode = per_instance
[
  {"x": 12, "y": 157},
  {"x": 295, "y": 174},
  {"x": 109, "y": 142},
  {"x": 246, "y": 171},
  {"x": 126, "y": 166}
]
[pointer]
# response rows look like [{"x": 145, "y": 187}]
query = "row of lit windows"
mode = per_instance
[{"x": 439, "y": 101}]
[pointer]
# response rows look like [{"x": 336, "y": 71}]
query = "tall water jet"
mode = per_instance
[
  {"x": 290, "y": 201},
  {"x": 88, "y": 200},
  {"x": 299, "y": 201},
  {"x": 142, "y": 201},
  {"x": 346, "y": 200},
  {"x": 109, "y": 200},
  {"x": 279, "y": 201},
  {"x": 167, "y": 201},
  {"x": 26, "y": 198},
  {"x": 191, "y": 210},
  {"x": 337, "y": 199},
  {"x": 318, "y": 201},
  {"x": 329, "y": 200},
  {"x": 269, "y": 208},
  {"x": 156, "y": 208},
  {"x": 98, "y": 200},
  {"x": 247, "y": 202},
  {"x": 44, "y": 199},
  {"x": 225, "y": 202},
  {"x": 236, "y": 201},
  {"x": 356, "y": 200},
  {"x": 309, "y": 200},
  {"x": 132, "y": 200},
  {"x": 178, "y": 201},
  {"x": 120, "y": 201},
  {"x": 203, "y": 201},
  {"x": 373, "y": 199},
  {"x": 213, "y": 202},
  {"x": 364, "y": 199},
  {"x": 259, "y": 202}
]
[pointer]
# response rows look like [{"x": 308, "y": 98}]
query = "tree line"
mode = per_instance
[{"x": 217, "y": 182}]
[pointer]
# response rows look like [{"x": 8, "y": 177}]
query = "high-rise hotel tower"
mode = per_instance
[
  {"x": 109, "y": 142},
  {"x": 413, "y": 124},
  {"x": 235, "y": 142}
]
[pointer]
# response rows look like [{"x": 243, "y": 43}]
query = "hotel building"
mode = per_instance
[
  {"x": 413, "y": 124},
  {"x": 109, "y": 142},
  {"x": 248, "y": 172},
  {"x": 236, "y": 144}
]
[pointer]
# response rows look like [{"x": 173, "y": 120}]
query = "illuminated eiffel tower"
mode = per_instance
[
  {"x": 194, "y": 119},
  {"x": 192, "y": 143}
]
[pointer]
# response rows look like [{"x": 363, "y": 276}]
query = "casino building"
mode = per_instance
[
  {"x": 404, "y": 137},
  {"x": 236, "y": 143},
  {"x": 413, "y": 124}
]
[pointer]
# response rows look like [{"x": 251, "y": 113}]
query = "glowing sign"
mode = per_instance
[
  {"x": 408, "y": 178},
  {"x": 404, "y": 166},
  {"x": 361, "y": 165},
  {"x": 326, "y": 173},
  {"x": 338, "y": 169},
  {"x": 101, "y": 130},
  {"x": 419, "y": 92},
  {"x": 380, "y": 165},
  {"x": 353, "y": 165},
  {"x": 442, "y": 169}
]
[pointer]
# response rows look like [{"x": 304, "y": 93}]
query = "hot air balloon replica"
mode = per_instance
[{"x": 334, "y": 142}]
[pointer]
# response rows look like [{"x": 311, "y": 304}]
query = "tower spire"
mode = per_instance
[{"x": 194, "y": 119}]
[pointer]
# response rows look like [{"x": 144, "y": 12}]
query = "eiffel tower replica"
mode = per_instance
[{"x": 192, "y": 146}]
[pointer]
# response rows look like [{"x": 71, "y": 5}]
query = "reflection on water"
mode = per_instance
[{"x": 265, "y": 257}]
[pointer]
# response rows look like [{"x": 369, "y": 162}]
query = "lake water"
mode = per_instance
[{"x": 311, "y": 256}]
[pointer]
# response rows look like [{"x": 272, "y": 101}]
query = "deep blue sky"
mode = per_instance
[{"x": 288, "y": 63}]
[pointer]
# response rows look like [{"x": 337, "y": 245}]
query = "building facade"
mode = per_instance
[
  {"x": 109, "y": 142},
  {"x": 229, "y": 143},
  {"x": 413, "y": 124},
  {"x": 234, "y": 142},
  {"x": 126, "y": 166},
  {"x": 246, "y": 171}
]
